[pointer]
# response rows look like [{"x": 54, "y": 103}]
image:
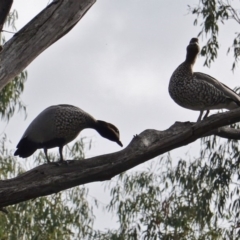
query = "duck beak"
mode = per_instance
[{"x": 119, "y": 143}]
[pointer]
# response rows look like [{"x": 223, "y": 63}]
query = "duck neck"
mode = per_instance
[
  {"x": 186, "y": 68},
  {"x": 93, "y": 125},
  {"x": 188, "y": 64},
  {"x": 100, "y": 127},
  {"x": 96, "y": 126},
  {"x": 191, "y": 58}
]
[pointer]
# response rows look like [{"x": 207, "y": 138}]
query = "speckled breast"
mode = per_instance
[
  {"x": 69, "y": 121},
  {"x": 194, "y": 94}
]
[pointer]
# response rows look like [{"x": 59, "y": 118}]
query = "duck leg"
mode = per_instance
[
  {"x": 200, "y": 116},
  {"x": 206, "y": 114},
  {"x": 45, "y": 151},
  {"x": 60, "y": 152}
]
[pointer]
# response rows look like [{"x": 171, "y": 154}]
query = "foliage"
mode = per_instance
[
  {"x": 212, "y": 13},
  {"x": 11, "y": 18},
  {"x": 65, "y": 215},
  {"x": 10, "y": 94},
  {"x": 196, "y": 199}
]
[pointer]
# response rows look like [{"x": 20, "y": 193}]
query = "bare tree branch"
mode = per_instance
[
  {"x": 226, "y": 132},
  {"x": 56, "y": 20},
  {"x": 5, "y": 6},
  {"x": 51, "y": 178}
]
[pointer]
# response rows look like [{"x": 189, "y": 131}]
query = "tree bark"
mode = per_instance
[
  {"x": 52, "y": 178},
  {"x": 56, "y": 20}
]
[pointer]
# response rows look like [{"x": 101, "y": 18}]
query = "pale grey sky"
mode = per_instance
[{"x": 116, "y": 65}]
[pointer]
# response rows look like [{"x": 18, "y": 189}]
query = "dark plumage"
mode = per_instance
[
  {"x": 199, "y": 91},
  {"x": 58, "y": 125}
]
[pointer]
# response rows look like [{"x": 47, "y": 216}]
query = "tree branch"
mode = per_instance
[
  {"x": 51, "y": 178},
  {"x": 56, "y": 20},
  {"x": 225, "y": 132}
]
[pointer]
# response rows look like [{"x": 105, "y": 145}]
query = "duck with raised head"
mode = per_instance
[
  {"x": 198, "y": 91},
  {"x": 58, "y": 125}
]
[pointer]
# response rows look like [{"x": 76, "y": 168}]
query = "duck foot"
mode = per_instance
[{"x": 61, "y": 162}]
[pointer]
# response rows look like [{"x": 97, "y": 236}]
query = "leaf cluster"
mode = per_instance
[
  {"x": 196, "y": 199},
  {"x": 212, "y": 13},
  {"x": 64, "y": 215},
  {"x": 10, "y": 94}
]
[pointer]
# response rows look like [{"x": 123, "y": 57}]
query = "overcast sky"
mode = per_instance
[{"x": 116, "y": 64}]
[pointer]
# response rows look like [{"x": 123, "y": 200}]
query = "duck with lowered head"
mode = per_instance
[{"x": 58, "y": 125}]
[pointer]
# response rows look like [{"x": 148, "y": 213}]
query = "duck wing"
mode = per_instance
[{"x": 222, "y": 87}]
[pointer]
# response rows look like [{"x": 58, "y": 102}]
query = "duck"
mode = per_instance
[
  {"x": 199, "y": 91},
  {"x": 58, "y": 125}
]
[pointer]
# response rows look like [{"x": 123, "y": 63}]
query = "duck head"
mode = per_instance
[
  {"x": 109, "y": 131},
  {"x": 192, "y": 50}
]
